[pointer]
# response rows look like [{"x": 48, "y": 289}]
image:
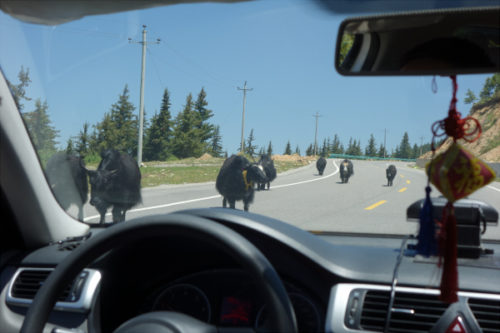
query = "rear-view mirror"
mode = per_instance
[{"x": 435, "y": 42}]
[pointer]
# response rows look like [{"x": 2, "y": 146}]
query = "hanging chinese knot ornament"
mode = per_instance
[{"x": 456, "y": 173}]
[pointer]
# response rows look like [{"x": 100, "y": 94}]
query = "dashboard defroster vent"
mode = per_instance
[
  {"x": 411, "y": 312},
  {"x": 487, "y": 313}
]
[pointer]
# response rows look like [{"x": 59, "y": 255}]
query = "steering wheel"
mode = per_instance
[{"x": 282, "y": 317}]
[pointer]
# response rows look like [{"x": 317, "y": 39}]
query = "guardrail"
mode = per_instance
[{"x": 357, "y": 157}]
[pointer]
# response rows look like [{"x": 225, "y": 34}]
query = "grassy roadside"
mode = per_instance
[{"x": 192, "y": 170}]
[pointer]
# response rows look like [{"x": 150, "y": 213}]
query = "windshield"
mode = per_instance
[{"x": 213, "y": 80}]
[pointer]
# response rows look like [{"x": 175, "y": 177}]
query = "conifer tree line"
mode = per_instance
[
  {"x": 335, "y": 146},
  {"x": 189, "y": 134}
]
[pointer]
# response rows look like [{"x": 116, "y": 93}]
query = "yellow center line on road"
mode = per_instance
[
  {"x": 408, "y": 182},
  {"x": 381, "y": 202},
  {"x": 403, "y": 189}
]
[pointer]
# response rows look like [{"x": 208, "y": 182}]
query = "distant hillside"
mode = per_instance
[{"x": 487, "y": 147}]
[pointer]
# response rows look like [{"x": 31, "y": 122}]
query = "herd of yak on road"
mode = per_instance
[{"x": 116, "y": 183}]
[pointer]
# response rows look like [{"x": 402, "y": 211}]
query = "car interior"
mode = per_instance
[{"x": 227, "y": 270}]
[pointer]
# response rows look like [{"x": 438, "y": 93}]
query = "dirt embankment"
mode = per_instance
[
  {"x": 294, "y": 158},
  {"x": 487, "y": 147}
]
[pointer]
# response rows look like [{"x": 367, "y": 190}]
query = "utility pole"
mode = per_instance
[
  {"x": 245, "y": 89},
  {"x": 385, "y": 147},
  {"x": 317, "y": 115},
  {"x": 143, "y": 78}
]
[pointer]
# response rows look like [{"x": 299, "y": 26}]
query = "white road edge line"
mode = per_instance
[
  {"x": 213, "y": 196},
  {"x": 493, "y": 188}
]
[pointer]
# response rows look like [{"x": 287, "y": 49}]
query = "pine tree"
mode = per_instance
[
  {"x": 42, "y": 132},
  {"x": 288, "y": 149},
  {"x": 310, "y": 150},
  {"x": 490, "y": 87},
  {"x": 93, "y": 140},
  {"x": 357, "y": 148},
  {"x": 381, "y": 151},
  {"x": 396, "y": 153},
  {"x": 371, "y": 148},
  {"x": 159, "y": 133},
  {"x": 335, "y": 146},
  {"x": 119, "y": 128},
  {"x": 350, "y": 148},
  {"x": 19, "y": 90},
  {"x": 415, "y": 152},
  {"x": 262, "y": 151},
  {"x": 404, "y": 150},
  {"x": 82, "y": 145},
  {"x": 125, "y": 124},
  {"x": 239, "y": 147},
  {"x": 324, "y": 148},
  {"x": 216, "y": 143},
  {"x": 297, "y": 150},
  {"x": 186, "y": 135},
  {"x": 270, "y": 149},
  {"x": 104, "y": 134},
  {"x": 250, "y": 148},
  {"x": 470, "y": 98},
  {"x": 206, "y": 130},
  {"x": 69, "y": 146}
]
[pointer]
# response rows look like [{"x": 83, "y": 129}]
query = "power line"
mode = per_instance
[
  {"x": 245, "y": 89},
  {"x": 195, "y": 75},
  {"x": 220, "y": 79},
  {"x": 156, "y": 67},
  {"x": 143, "y": 78}
]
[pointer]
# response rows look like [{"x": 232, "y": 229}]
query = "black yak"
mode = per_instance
[
  {"x": 117, "y": 183},
  {"x": 390, "y": 172},
  {"x": 346, "y": 170},
  {"x": 268, "y": 165},
  {"x": 68, "y": 180},
  {"x": 236, "y": 179},
  {"x": 320, "y": 165}
]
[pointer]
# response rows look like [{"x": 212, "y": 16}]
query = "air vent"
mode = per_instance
[
  {"x": 28, "y": 282},
  {"x": 411, "y": 312},
  {"x": 487, "y": 313},
  {"x": 76, "y": 297}
]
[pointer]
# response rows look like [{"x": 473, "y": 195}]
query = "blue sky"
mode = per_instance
[{"x": 283, "y": 49}]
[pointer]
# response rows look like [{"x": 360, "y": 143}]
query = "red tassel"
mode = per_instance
[{"x": 448, "y": 249}]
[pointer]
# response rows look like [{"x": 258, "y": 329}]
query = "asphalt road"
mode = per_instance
[{"x": 319, "y": 203}]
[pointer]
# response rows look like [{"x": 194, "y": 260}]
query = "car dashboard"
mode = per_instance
[{"x": 336, "y": 282}]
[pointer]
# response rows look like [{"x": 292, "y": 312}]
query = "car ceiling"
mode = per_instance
[{"x": 54, "y": 12}]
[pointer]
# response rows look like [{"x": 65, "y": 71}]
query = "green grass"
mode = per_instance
[
  {"x": 189, "y": 170},
  {"x": 282, "y": 166},
  {"x": 154, "y": 176},
  {"x": 192, "y": 170}
]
